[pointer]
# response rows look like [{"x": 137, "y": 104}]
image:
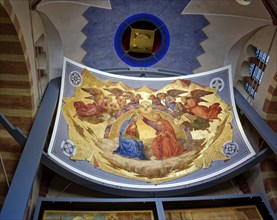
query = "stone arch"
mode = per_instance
[{"x": 16, "y": 90}]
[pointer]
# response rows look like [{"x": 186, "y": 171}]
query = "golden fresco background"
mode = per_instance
[{"x": 98, "y": 109}]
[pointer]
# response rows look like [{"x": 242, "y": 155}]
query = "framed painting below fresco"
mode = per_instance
[
  {"x": 218, "y": 213},
  {"x": 97, "y": 215},
  {"x": 235, "y": 207},
  {"x": 147, "y": 134}
]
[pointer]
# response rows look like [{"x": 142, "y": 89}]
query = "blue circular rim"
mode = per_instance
[{"x": 147, "y": 61}]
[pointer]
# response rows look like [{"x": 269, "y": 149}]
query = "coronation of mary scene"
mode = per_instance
[{"x": 138, "y": 109}]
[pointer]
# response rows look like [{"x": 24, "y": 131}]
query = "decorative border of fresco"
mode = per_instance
[{"x": 230, "y": 148}]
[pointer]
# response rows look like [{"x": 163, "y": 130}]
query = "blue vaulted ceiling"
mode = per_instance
[{"x": 185, "y": 32}]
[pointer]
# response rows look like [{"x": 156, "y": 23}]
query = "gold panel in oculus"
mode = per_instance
[{"x": 141, "y": 41}]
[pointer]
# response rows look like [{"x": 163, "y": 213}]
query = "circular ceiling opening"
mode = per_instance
[
  {"x": 141, "y": 25},
  {"x": 141, "y": 40}
]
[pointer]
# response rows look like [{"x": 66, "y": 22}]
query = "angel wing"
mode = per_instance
[
  {"x": 116, "y": 91},
  {"x": 198, "y": 93},
  {"x": 128, "y": 94},
  {"x": 175, "y": 92},
  {"x": 96, "y": 94}
]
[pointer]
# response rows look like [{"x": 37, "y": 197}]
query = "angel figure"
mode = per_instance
[
  {"x": 96, "y": 108},
  {"x": 169, "y": 98},
  {"x": 134, "y": 100},
  {"x": 155, "y": 100},
  {"x": 202, "y": 111},
  {"x": 118, "y": 93},
  {"x": 195, "y": 116},
  {"x": 95, "y": 94}
]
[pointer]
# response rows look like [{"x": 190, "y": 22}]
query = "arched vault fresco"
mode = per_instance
[{"x": 140, "y": 133}]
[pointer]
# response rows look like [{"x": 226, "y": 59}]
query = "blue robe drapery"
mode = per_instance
[{"x": 129, "y": 147}]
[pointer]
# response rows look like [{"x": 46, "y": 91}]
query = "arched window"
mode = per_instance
[
  {"x": 262, "y": 56},
  {"x": 257, "y": 65},
  {"x": 249, "y": 89},
  {"x": 256, "y": 73}
]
